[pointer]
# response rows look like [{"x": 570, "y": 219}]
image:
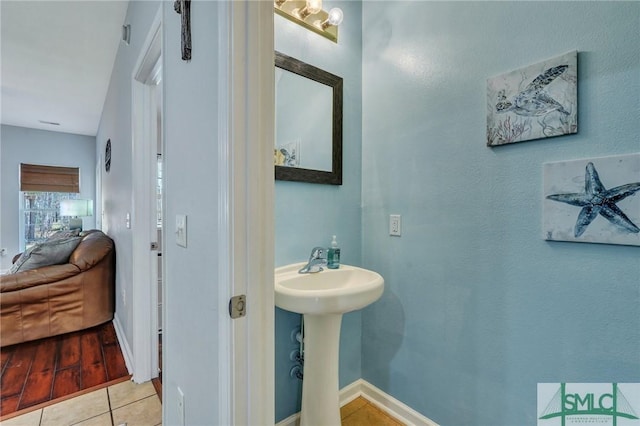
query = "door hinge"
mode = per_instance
[
  {"x": 153, "y": 246},
  {"x": 238, "y": 306}
]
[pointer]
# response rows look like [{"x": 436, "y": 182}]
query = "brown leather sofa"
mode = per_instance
[{"x": 58, "y": 299}]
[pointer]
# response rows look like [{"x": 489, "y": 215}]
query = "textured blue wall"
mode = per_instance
[
  {"x": 308, "y": 214},
  {"x": 478, "y": 308}
]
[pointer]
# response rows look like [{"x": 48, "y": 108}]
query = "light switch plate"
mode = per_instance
[{"x": 181, "y": 230}]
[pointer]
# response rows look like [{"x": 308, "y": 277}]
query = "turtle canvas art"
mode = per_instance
[
  {"x": 535, "y": 102},
  {"x": 593, "y": 201}
]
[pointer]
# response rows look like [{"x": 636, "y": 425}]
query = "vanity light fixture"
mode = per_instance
[{"x": 310, "y": 15}]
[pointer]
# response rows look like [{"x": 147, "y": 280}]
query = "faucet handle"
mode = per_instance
[{"x": 317, "y": 253}]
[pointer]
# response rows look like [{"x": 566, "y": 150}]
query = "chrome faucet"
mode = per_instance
[{"x": 317, "y": 261}]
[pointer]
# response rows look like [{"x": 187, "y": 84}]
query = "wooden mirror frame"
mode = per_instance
[{"x": 297, "y": 174}]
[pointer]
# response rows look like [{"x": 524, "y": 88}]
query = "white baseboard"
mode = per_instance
[
  {"x": 292, "y": 420},
  {"x": 394, "y": 407},
  {"x": 377, "y": 397},
  {"x": 124, "y": 345}
]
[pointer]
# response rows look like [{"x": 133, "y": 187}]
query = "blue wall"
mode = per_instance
[
  {"x": 34, "y": 146},
  {"x": 308, "y": 214},
  {"x": 478, "y": 308}
]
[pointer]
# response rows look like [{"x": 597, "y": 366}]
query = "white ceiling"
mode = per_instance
[{"x": 56, "y": 61}]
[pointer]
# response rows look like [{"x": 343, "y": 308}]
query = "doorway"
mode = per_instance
[
  {"x": 243, "y": 362},
  {"x": 147, "y": 197}
]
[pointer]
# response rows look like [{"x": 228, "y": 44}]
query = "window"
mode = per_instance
[
  {"x": 42, "y": 188},
  {"x": 41, "y": 215}
]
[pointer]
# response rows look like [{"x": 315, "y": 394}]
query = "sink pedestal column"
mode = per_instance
[{"x": 320, "y": 389}]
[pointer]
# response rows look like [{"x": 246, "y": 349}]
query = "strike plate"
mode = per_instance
[{"x": 238, "y": 306}]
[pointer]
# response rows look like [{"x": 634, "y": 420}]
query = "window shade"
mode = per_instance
[{"x": 49, "y": 178}]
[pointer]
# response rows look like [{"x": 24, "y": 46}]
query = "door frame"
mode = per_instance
[
  {"x": 143, "y": 199},
  {"x": 98, "y": 199},
  {"x": 246, "y": 210}
]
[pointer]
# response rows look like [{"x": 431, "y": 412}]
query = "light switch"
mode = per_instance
[{"x": 181, "y": 230}]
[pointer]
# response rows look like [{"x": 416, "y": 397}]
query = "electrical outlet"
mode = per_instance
[
  {"x": 180, "y": 406},
  {"x": 395, "y": 225},
  {"x": 124, "y": 297},
  {"x": 3, "y": 251}
]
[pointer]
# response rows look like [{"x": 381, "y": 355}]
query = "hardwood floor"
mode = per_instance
[
  {"x": 361, "y": 412},
  {"x": 55, "y": 368},
  {"x": 157, "y": 382}
]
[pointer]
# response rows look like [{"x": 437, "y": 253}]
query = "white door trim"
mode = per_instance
[
  {"x": 225, "y": 239},
  {"x": 98, "y": 202},
  {"x": 245, "y": 216},
  {"x": 144, "y": 147}
]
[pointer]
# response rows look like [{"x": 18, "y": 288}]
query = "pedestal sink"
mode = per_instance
[{"x": 322, "y": 298}]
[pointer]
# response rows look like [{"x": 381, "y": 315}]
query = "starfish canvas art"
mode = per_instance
[
  {"x": 535, "y": 102},
  {"x": 595, "y": 200}
]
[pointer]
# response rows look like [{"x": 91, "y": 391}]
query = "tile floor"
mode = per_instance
[
  {"x": 361, "y": 412},
  {"x": 124, "y": 403},
  {"x": 138, "y": 405}
]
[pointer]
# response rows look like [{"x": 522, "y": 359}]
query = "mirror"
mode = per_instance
[{"x": 308, "y": 123}]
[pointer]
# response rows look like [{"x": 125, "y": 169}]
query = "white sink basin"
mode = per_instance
[{"x": 332, "y": 291}]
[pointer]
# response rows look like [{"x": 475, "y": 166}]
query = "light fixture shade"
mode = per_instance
[
  {"x": 335, "y": 16},
  {"x": 76, "y": 208},
  {"x": 314, "y": 6}
]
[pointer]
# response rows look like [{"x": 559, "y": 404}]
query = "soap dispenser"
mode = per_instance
[{"x": 333, "y": 256}]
